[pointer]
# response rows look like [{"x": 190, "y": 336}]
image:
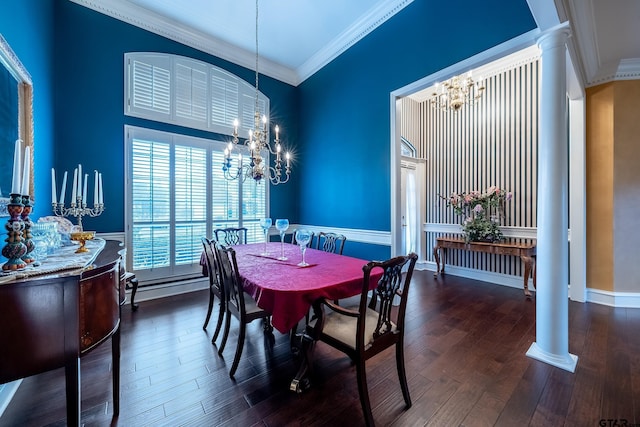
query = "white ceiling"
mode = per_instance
[{"x": 298, "y": 37}]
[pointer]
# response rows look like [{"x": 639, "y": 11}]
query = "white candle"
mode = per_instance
[
  {"x": 74, "y": 188},
  {"x": 26, "y": 172},
  {"x": 288, "y": 158},
  {"x": 53, "y": 186},
  {"x": 79, "y": 192},
  {"x": 17, "y": 164},
  {"x": 95, "y": 188},
  {"x": 277, "y": 131},
  {"x": 84, "y": 188},
  {"x": 64, "y": 188},
  {"x": 100, "y": 199}
]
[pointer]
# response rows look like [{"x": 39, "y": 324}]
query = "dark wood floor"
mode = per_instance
[{"x": 465, "y": 354}]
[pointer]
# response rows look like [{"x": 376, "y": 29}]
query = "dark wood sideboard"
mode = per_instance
[
  {"x": 49, "y": 322},
  {"x": 523, "y": 248}
]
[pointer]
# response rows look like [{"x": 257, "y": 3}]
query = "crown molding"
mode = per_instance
[
  {"x": 157, "y": 24},
  {"x": 356, "y": 32},
  {"x": 627, "y": 69},
  {"x": 152, "y": 22}
]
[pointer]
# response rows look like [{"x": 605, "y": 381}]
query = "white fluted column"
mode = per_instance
[{"x": 552, "y": 296}]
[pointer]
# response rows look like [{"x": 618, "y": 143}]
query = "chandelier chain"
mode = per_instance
[{"x": 257, "y": 90}]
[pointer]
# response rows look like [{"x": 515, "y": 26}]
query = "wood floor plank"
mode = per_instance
[{"x": 465, "y": 351}]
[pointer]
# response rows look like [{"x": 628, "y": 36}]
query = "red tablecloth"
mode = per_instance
[{"x": 286, "y": 290}]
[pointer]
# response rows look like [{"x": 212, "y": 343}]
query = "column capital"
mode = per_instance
[{"x": 554, "y": 37}]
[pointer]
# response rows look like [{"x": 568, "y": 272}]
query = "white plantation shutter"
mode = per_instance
[
  {"x": 224, "y": 99},
  {"x": 183, "y": 91},
  {"x": 191, "y": 92},
  {"x": 150, "y": 86},
  {"x": 178, "y": 194},
  {"x": 254, "y": 201},
  {"x": 150, "y": 204}
]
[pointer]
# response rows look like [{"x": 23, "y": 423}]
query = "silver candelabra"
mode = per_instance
[
  {"x": 78, "y": 206},
  {"x": 78, "y": 209}
]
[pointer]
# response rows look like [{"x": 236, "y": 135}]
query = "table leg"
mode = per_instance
[
  {"x": 528, "y": 264},
  {"x": 436, "y": 257},
  {"x": 301, "y": 381},
  {"x": 305, "y": 342}
]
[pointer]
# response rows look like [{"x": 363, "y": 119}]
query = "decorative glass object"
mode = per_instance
[
  {"x": 265, "y": 223},
  {"x": 303, "y": 237},
  {"x": 282, "y": 225}
]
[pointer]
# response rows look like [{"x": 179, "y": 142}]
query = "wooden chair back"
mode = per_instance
[
  {"x": 331, "y": 242},
  {"x": 373, "y": 325},
  {"x": 231, "y": 236}
]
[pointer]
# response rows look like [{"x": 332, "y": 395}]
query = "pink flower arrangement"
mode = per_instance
[{"x": 481, "y": 212}]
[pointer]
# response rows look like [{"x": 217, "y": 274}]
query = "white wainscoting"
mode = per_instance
[{"x": 614, "y": 299}]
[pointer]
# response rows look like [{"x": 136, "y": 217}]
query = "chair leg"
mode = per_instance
[
  {"x": 219, "y": 323},
  {"x": 209, "y": 309},
  {"x": 236, "y": 359},
  {"x": 364, "y": 393},
  {"x": 225, "y": 335},
  {"x": 402, "y": 375}
]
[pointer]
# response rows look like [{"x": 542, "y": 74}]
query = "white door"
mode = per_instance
[{"x": 411, "y": 205}]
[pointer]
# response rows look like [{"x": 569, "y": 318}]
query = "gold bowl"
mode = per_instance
[{"x": 82, "y": 237}]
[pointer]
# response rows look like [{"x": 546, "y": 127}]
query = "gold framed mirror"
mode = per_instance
[{"x": 16, "y": 116}]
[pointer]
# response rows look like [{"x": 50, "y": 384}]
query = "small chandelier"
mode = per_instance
[
  {"x": 258, "y": 141},
  {"x": 456, "y": 92}
]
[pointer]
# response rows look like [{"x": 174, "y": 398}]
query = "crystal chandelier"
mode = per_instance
[
  {"x": 258, "y": 142},
  {"x": 456, "y": 92}
]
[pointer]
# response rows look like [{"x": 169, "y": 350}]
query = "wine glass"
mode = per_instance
[
  {"x": 303, "y": 237},
  {"x": 282, "y": 225},
  {"x": 265, "y": 223}
]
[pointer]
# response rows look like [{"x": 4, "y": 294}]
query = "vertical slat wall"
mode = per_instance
[
  {"x": 491, "y": 143},
  {"x": 410, "y": 117}
]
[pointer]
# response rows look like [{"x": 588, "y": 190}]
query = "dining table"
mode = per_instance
[{"x": 288, "y": 291}]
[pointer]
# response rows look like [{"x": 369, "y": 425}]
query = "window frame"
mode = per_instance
[{"x": 177, "y": 272}]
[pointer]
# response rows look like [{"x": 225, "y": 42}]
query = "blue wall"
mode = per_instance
[
  {"x": 344, "y": 107},
  {"x": 337, "y": 120},
  {"x": 90, "y": 98},
  {"x": 28, "y": 25}
]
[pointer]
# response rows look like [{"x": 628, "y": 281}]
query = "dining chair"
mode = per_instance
[
  {"x": 239, "y": 304},
  {"x": 231, "y": 235},
  {"x": 215, "y": 287},
  {"x": 331, "y": 242},
  {"x": 375, "y": 324}
]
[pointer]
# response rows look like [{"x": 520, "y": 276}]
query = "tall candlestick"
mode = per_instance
[
  {"x": 84, "y": 188},
  {"x": 53, "y": 186},
  {"x": 26, "y": 172},
  {"x": 64, "y": 188},
  {"x": 79, "y": 192},
  {"x": 95, "y": 187},
  {"x": 74, "y": 188},
  {"x": 100, "y": 199},
  {"x": 17, "y": 163}
]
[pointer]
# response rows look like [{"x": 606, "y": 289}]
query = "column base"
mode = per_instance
[{"x": 567, "y": 362}]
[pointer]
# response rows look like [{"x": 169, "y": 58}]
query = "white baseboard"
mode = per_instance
[
  {"x": 7, "y": 391},
  {"x": 485, "y": 276},
  {"x": 614, "y": 299},
  {"x": 147, "y": 293}
]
